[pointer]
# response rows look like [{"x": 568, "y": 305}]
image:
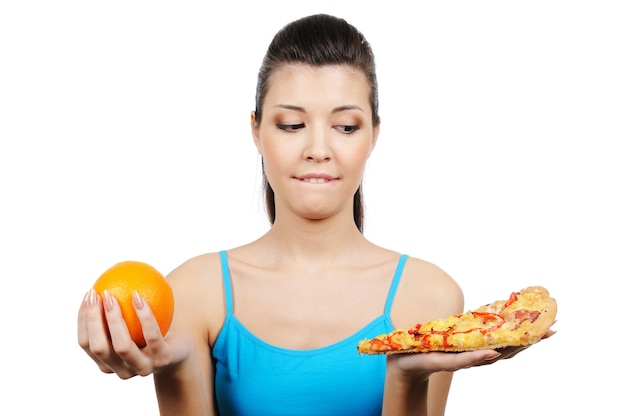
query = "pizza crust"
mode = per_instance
[{"x": 522, "y": 319}]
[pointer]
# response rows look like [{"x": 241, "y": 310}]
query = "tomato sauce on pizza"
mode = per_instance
[{"x": 522, "y": 319}]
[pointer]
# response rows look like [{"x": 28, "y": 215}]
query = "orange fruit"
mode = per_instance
[{"x": 124, "y": 278}]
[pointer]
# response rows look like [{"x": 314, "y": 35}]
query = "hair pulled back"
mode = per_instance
[{"x": 317, "y": 40}]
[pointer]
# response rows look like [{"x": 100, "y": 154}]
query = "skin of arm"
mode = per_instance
[
  {"x": 187, "y": 388},
  {"x": 418, "y": 384},
  {"x": 426, "y": 292}
]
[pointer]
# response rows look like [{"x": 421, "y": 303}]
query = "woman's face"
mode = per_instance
[{"x": 315, "y": 138}]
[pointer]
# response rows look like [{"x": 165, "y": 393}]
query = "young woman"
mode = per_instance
[{"x": 271, "y": 327}]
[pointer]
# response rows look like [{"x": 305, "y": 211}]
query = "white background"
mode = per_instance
[{"x": 124, "y": 130}]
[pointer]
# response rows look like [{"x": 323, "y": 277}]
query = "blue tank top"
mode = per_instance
[{"x": 254, "y": 378}]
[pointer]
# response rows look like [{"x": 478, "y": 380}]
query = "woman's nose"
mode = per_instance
[{"x": 318, "y": 147}]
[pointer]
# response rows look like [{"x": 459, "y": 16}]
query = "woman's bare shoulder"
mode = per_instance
[
  {"x": 425, "y": 292},
  {"x": 198, "y": 295},
  {"x": 199, "y": 267}
]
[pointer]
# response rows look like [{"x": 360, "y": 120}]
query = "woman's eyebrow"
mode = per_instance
[
  {"x": 335, "y": 110},
  {"x": 290, "y": 107},
  {"x": 347, "y": 108}
]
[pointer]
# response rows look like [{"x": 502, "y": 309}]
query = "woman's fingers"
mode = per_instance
[
  {"x": 95, "y": 337},
  {"x": 549, "y": 333},
  {"x": 83, "y": 332},
  {"x": 93, "y": 333},
  {"x": 156, "y": 346},
  {"x": 446, "y": 361},
  {"x": 104, "y": 336},
  {"x": 132, "y": 359},
  {"x": 84, "y": 315},
  {"x": 443, "y": 361},
  {"x": 149, "y": 325}
]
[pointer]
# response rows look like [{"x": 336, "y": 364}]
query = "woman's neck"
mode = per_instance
[{"x": 309, "y": 241}]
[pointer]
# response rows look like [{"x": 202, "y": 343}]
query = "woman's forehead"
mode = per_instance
[{"x": 302, "y": 82}]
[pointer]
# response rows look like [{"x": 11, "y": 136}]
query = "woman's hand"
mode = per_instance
[
  {"x": 424, "y": 364},
  {"x": 105, "y": 338},
  {"x": 407, "y": 390}
]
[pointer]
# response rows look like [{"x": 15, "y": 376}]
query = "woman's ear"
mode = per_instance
[{"x": 254, "y": 125}]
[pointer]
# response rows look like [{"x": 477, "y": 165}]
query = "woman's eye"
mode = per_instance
[
  {"x": 347, "y": 129},
  {"x": 290, "y": 127}
]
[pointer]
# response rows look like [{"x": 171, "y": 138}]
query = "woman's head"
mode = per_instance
[{"x": 318, "y": 40}]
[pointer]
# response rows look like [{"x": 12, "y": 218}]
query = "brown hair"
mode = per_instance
[{"x": 318, "y": 40}]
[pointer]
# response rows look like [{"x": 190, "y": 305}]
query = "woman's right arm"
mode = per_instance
[
  {"x": 180, "y": 361},
  {"x": 187, "y": 389}
]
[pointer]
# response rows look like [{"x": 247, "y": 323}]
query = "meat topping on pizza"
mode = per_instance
[{"x": 522, "y": 319}]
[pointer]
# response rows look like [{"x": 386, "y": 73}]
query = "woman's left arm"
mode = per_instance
[
  {"x": 418, "y": 384},
  {"x": 413, "y": 384}
]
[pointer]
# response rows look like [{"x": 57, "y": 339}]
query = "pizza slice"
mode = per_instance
[{"x": 522, "y": 319}]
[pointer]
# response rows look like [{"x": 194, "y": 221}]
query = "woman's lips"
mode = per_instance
[{"x": 316, "y": 178}]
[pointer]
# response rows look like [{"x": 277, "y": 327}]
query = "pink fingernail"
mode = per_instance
[
  {"x": 137, "y": 300},
  {"x": 108, "y": 300},
  {"x": 86, "y": 298},
  {"x": 90, "y": 297}
]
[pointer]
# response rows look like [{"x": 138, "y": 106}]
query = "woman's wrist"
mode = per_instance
[{"x": 406, "y": 391}]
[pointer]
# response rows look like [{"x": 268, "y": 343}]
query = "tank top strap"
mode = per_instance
[
  {"x": 394, "y": 283},
  {"x": 228, "y": 292}
]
